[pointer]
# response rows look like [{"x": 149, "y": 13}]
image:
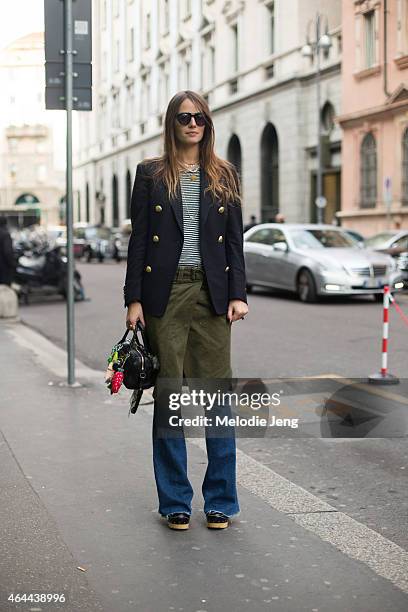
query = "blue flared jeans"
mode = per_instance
[{"x": 193, "y": 342}]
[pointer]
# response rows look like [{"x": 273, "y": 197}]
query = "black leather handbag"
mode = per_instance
[
  {"x": 132, "y": 363},
  {"x": 140, "y": 368}
]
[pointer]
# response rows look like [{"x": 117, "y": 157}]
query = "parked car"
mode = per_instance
[
  {"x": 402, "y": 262},
  {"x": 393, "y": 242},
  {"x": 122, "y": 240},
  {"x": 356, "y": 235},
  {"x": 57, "y": 236},
  {"x": 315, "y": 260},
  {"x": 97, "y": 241}
]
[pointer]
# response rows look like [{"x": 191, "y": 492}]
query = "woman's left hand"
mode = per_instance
[{"x": 237, "y": 309}]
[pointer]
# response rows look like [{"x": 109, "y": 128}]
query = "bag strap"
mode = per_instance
[
  {"x": 140, "y": 327},
  {"x": 135, "y": 405}
]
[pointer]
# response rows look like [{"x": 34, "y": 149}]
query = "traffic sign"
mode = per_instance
[
  {"x": 55, "y": 74},
  {"x": 55, "y": 99},
  {"x": 54, "y": 31},
  {"x": 321, "y": 202}
]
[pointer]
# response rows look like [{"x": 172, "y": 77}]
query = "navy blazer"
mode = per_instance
[{"x": 156, "y": 242}]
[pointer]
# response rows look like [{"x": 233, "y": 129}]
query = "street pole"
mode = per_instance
[
  {"x": 69, "y": 207},
  {"x": 319, "y": 175}
]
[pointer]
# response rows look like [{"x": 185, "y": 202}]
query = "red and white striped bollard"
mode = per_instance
[{"x": 383, "y": 377}]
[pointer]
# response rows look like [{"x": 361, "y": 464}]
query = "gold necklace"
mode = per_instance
[{"x": 192, "y": 170}]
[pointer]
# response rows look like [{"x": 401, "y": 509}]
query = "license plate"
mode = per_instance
[{"x": 372, "y": 283}]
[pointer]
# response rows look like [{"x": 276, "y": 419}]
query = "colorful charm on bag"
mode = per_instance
[
  {"x": 116, "y": 381},
  {"x": 116, "y": 361}
]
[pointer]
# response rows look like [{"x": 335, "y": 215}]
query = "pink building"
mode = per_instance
[{"x": 375, "y": 115}]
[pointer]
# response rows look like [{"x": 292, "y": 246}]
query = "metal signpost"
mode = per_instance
[{"x": 68, "y": 35}]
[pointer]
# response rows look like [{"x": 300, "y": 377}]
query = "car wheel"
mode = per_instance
[{"x": 306, "y": 287}]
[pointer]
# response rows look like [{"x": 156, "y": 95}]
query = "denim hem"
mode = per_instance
[
  {"x": 229, "y": 515},
  {"x": 172, "y": 512}
]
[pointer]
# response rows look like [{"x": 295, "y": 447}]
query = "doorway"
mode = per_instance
[{"x": 332, "y": 193}]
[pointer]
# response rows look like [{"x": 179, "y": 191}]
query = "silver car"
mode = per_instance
[{"x": 315, "y": 260}]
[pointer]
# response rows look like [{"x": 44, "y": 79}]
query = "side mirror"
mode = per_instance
[{"x": 281, "y": 246}]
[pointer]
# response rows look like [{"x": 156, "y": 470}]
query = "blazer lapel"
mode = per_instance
[
  {"x": 205, "y": 198},
  {"x": 205, "y": 202}
]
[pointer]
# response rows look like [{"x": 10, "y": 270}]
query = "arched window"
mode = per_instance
[
  {"x": 405, "y": 168},
  {"x": 269, "y": 173},
  {"x": 327, "y": 117},
  {"x": 234, "y": 154},
  {"x": 368, "y": 172}
]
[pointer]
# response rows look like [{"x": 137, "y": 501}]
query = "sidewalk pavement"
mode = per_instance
[{"x": 77, "y": 491}]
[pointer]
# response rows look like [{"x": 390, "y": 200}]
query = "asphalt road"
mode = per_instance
[{"x": 280, "y": 337}]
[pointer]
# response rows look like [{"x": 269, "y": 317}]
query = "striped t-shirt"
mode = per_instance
[{"x": 190, "y": 192}]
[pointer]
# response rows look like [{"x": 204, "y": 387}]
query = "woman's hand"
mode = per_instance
[
  {"x": 237, "y": 309},
  {"x": 134, "y": 314}
]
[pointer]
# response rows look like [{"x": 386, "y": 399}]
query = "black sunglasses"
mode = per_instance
[{"x": 185, "y": 118}]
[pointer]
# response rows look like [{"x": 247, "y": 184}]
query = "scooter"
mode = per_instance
[{"x": 44, "y": 272}]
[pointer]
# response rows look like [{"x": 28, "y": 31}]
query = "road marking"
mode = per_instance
[{"x": 352, "y": 538}]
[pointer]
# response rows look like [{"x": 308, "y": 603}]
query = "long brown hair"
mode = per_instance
[{"x": 223, "y": 180}]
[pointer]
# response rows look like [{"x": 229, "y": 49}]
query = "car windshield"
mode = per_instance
[
  {"x": 378, "y": 239},
  {"x": 321, "y": 238}
]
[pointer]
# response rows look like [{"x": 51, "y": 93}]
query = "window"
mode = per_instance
[
  {"x": 163, "y": 85},
  {"x": 327, "y": 117},
  {"x": 184, "y": 69},
  {"x": 147, "y": 31},
  {"x": 271, "y": 24},
  {"x": 130, "y": 105},
  {"x": 235, "y": 48},
  {"x": 402, "y": 27},
  {"x": 267, "y": 235},
  {"x": 131, "y": 44},
  {"x": 116, "y": 110},
  {"x": 185, "y": 8},
  {"x": 369, "y": 37},
  {"x": 145, "y": 97},
  {"x": 207, "y": 62},
  {"x": 401, "y": 243},
  {"x": 405, "y": 167},
  {"x": 368, "y": 172},
  {"x": 116, "y": 58},
  {"x": 166, "y": 16}
]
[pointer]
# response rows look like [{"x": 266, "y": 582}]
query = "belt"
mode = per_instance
[{"x": 189, "y": 273}]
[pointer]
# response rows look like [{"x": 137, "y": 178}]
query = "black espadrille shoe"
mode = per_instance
[
  {"x": 178, "y": 520},
  {"x": 217, "y": 520}
]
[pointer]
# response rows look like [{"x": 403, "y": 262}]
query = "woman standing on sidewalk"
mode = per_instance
[{"x": 185, "y": 281}]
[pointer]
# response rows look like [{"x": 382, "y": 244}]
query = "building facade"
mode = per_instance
[
  {"x": 245, "y": 57},
  {"x": 32, "y": 153},
  {"x": 374, "y": 115}
]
